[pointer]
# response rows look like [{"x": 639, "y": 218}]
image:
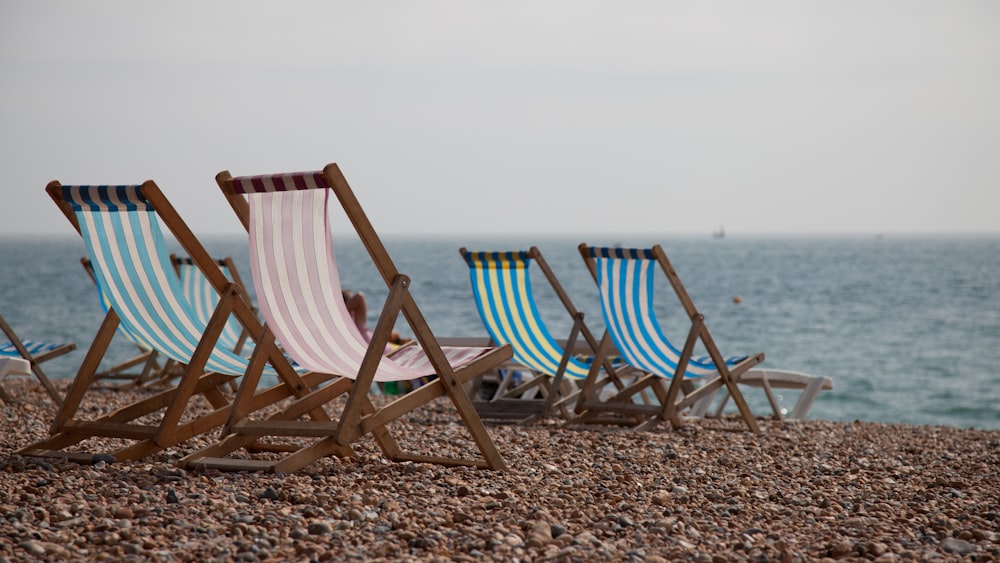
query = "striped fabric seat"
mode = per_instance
[
  {"x": 625, "y": 280},
  {"x": 138, "y": 370},
  {"x": 133, "y": 269},
  {"x": 298, "y": 285},
  {"x": 204, "y": 298},
  {"x": 501, "y": 285},
  {"x": 106, "y": 306},
  {"x": 33, "y": 347}
]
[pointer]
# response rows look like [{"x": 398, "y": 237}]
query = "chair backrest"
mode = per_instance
[
  {"x": 296, "y": 278},
  {"x": 204, "y": 298},
  {"x": 625, "y": 279},
  {"x": 132, "y": 266},
  {"x": 501, "y": 284}
]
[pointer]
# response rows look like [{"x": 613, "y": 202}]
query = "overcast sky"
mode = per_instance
[{"x": 564, "y": 117}]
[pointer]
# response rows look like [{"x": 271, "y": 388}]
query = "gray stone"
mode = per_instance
[
  {"x": 319, "y": 528},
  {"x": 33, "y": 548},
  {"x": 957, "y": 546}
]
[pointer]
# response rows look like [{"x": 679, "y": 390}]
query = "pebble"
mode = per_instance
[
  {"x": 319, "y": 528},
  {"x": 957, "y": 546},
  {"x": 269, "y": 494},
  {"x": 813, "y": 491},
  {"x": 33, "y": 548}
]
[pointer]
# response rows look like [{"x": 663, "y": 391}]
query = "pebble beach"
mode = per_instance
[{"x": 807, "y": 491}]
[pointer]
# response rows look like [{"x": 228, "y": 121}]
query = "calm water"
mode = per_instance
[{"x": 907, "y": 327}]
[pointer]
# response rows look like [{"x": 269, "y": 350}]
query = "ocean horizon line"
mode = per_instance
[{"x": 686, "y": 235}]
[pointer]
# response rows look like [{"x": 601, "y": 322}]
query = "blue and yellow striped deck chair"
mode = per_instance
[
  {"x": 625, "y": 283},
  {"x": 131, "y": 262},
  {"x": 501, "y": 285},
  {"x": 34, "y": 352}
]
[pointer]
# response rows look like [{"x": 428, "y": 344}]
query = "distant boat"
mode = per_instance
[{"x": 721, "y": 233}]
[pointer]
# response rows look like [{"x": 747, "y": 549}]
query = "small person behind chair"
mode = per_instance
[{"x": 358, "y": 308}]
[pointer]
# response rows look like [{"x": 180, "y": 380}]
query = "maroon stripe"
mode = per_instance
[{"x": 280, "y": 182}]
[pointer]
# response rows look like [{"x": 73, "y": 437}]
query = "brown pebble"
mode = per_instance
[{"x": 122, "y": 512}]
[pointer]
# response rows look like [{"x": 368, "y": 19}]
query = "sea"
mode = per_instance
[{"x": 907, "y": 327}]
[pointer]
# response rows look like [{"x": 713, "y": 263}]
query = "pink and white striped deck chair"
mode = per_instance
[{"x": 299, "y": 294}]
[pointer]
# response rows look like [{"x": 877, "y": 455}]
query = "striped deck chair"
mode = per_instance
[
  {"x": 124, "y": 243},
  {"x": 34, "y": 352},
  {"x": 299, "y": 295},
  {"x": 625, "y": 281},
  {"x": 501, "y": 285}
]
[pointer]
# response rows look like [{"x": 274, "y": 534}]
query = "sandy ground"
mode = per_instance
[{"x": 809, "y": 491}]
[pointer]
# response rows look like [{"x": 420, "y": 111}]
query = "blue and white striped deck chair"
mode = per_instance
[
  {"x": 204, "y": 298},
  {"x": 34, "y": 352},
  {"x": 131, "y": 262},
  {"x": 501, "y": 285},
  {"x": 625, "y": 283}
]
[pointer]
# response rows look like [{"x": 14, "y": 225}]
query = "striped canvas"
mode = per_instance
[
  {"x": 625, "y": 281},
  {"x": 501, "y": 284},
  {"x": 204, "y": 298},
  {"x": 122, "y": 328},
  {"x": 32, "y": 346},
  {"x": 298, "y": 285},
  {"x": 279, "y": 182},
  {"x": 133, "y": 269}
]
